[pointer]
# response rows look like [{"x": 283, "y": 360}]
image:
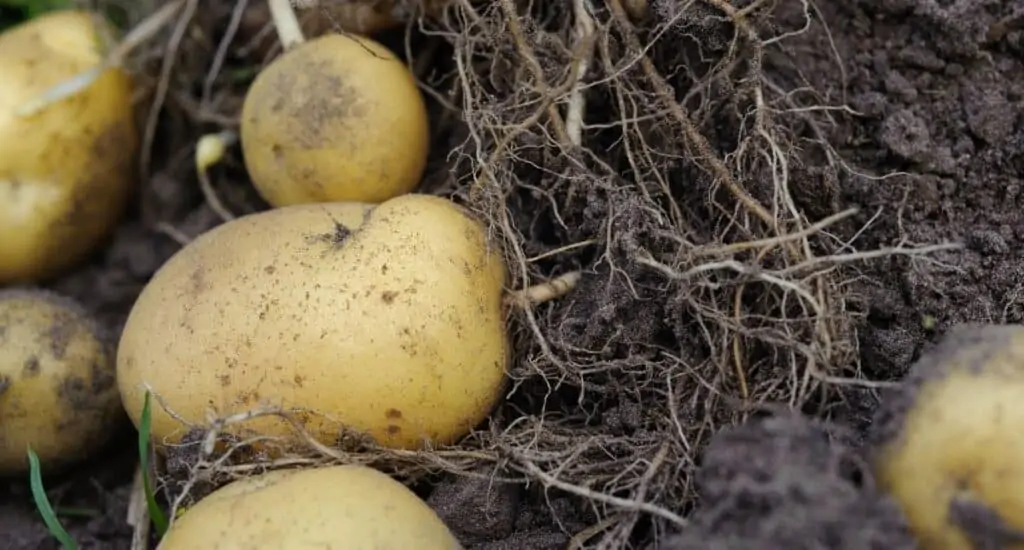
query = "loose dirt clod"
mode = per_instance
[{"x": 785, "y": 482}]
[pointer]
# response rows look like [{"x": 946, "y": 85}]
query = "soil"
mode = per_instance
[
  {"x": 817, "y": 501},
  {"x": 937, "y": 88}
]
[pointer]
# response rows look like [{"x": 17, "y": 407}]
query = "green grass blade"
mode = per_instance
[
  {"x": 155, "y": 513},
  {"x": 66, "y": 512},
  {"x": 43, "y": 503}
]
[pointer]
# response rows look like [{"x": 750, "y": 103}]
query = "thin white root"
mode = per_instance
[
  {"x": 583, "y": 33},
  {"x": 289, "y": 31},
  {"x": 546, "y": 291},
  {"x": 115, "y": 58},
  {"x": 209, "y": 151},
  {"x": 172, "y": 232},
  {"x": 60, "y": 91}
]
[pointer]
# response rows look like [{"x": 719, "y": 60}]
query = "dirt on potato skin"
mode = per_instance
[{"x": 938, "y": 87}]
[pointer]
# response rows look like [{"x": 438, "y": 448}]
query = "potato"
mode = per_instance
[
  {"x": 66, "y": 171},
  {"x": 336, "y": 118},
  {"x": 949, "y": 442},
  {"x": 386, "y": 320},
  {"x": 350, "y": 507},
  {"x": 57, "y": 388}
]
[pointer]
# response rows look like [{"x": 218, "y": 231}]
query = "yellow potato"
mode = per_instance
[
  {"x": 57, "y": 388},
  {"x": 66, "y": 171},
  {"x": 386, "y": 320},
  {"x": 949, "y": 443},
  {"x": 349, "y": 507},
  {"x": 337, "y": 118}
]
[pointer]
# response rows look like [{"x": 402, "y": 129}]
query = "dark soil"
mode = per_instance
[
  {"x": 938, "y": 86},
  {"x": 818, "y": 500}
]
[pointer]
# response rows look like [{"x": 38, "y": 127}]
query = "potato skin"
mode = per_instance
[
  {"x": 66, "y": 172},
  {"x": 393, "y": 328},
  {"x": 57, "y": 388},
  {"x": 955, "y": 430},
  {"x": 348, "y": 506},
  {"x": 338, "y": 118}
]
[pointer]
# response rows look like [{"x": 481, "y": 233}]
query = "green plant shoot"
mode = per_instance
[{"x": 43, "y": 503}]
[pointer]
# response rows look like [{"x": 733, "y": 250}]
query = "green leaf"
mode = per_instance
[
  {"x": 155, "y": 513},
  {"x": 43, "y": 503}
]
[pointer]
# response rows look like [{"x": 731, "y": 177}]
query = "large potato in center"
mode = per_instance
[{"x": 386, "y": 320}]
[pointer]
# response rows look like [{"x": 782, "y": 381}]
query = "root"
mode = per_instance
[
  {"x": 638, "y": 10},
  {"x": 221, "y": 449},
  {"x": 209, "y": 151},
  {"x": 545, "y": 292},
  {"x": 584, "y": 33},
  {"x": 140, "y": 34},
  {"x": 710, "y": 287},
  {"x": 289, "y": 31}
]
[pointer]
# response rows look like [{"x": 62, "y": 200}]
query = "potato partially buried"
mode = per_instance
[
  {"x": 67, "y": 169},
  {"x": 383, "y": 320},
  {"x": 57, "y": 388},
  {"x": 350, "y": 507},
  {"x": 948, "y": 443},
  {"x": 337, "y": 118}
]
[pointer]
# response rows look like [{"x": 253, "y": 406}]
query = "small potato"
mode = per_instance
[
  {"x": 383, "y": 320},
  {"x": 350, "y": 507},
  {"x": 66, "y": 171},
  {"x": 337, "y": 118},
  {"x": 949, "y": 443},
  {"x": 57, "y": 388}
]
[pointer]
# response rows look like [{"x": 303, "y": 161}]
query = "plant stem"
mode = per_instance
[{"x": 289, "y": 32}]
